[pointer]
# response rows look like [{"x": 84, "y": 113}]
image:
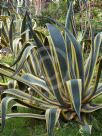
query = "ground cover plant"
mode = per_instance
[{"x": 67, "y": 85}]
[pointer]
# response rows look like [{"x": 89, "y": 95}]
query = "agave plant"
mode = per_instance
[
  {"x": 68, "y": 83},
  {"x": 29, "y": 61},
  {"x": 18, "y": 42}
]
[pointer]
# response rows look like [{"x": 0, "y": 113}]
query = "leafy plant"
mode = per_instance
[
  {"x": 67, "y": 84},
  {"x": 16, "y": 42}
]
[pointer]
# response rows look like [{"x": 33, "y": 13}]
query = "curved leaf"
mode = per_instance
[
  {"x": 37, "y": 81},
  {"x": 4, "y": 106},
  {"x": 90, "y": 107}
]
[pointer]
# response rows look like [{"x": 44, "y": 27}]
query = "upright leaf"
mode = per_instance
[
  {"x": 11, "y": 35},
  {"x": 75, "y": 92},
  {"x": 52, "y": 116}
]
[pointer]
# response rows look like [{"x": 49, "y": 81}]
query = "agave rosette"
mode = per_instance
[{"x": 68, "y": 83}]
